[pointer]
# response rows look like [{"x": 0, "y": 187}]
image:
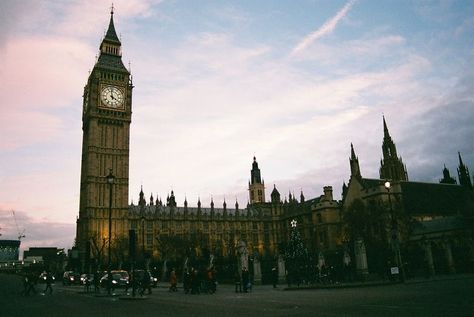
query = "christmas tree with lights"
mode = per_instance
[{"x": 296, "y": 257}]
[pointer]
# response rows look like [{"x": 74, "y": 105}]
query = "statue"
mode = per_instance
[{"x": 242, "y": 256}]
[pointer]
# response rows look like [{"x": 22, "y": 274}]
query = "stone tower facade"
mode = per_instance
[
  {"x": 106, "y": 118},
  {"x": 256, "y": 185}
]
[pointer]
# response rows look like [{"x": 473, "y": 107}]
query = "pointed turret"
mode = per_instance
[
  {"x": 151, "y": 200},
  {"x": 463, "y": 174},
  {"x": 236, "y": 208},
  {"x": 301, "y": 197},
  {"x": 354, "y": 163},
  {"x": 141, "y": 200},
  {"x": 447, "y": 179},
  {"x": 171, "y": 200},
  {"x": 111, "y": 35},
  {"x": 344, "y": 190},
  {"x": 199, "y": 207},
  {"x": 275, "y": 195},
  {"x": 224, "y": 206}
]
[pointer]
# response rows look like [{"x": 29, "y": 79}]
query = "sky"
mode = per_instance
[{"x": 216, "y": 82}]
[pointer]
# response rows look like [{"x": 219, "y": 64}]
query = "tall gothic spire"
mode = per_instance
[
  {"x": 391, "y": 166},
  {"x": 463, "y": 173}
]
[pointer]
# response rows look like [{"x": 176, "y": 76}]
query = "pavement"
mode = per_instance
[{"x": 439, "y": 296}]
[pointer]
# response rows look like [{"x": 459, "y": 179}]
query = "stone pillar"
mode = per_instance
[
  {"x": 429, "y": 258},
  {"x": 281, "y": 270},
  {"x": 449, "y": 257},
  {"x": 361, "y": 258},
  {"x": 257, "y": 271}
]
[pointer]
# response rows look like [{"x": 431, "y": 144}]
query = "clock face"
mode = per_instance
[{"x": 111, "y": 97}]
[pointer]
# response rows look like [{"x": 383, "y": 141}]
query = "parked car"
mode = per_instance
[
  {"x": 71, "y": 277},
  {"x": 139, "y": 274},
  {"x": 120, "y": 278}
]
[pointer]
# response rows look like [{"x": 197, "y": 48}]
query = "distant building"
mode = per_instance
[
  {"x": 9, "y": 250},
  {"x": 50, "y": 257}
]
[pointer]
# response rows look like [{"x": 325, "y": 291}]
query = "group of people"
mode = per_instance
[
  {"x": 242, "y": 281},
  {"x": 31, "y": 279},
  {"x": 195, "y": 281}
]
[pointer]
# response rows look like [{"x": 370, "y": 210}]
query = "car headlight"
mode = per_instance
[{"x": 114, "y": 282}]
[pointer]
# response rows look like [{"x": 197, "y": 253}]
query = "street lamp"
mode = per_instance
[
  {"x": 394, "y": 228},
  {"x": 110, "y": 181}
]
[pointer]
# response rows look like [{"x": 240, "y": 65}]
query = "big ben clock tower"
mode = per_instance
[{"x": 106, "y": 117}]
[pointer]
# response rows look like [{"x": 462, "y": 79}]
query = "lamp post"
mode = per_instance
[
  {"x": 395, "y": 240},
  {"x": 110, "y": 181},
  {"x": 143, "y": 242}
]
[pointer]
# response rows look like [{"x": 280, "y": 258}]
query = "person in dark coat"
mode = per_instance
[
  {"x": 246, "y": 280},
  {"x": 274, "y": 277},
  {"x": 49, "y": 281},
  {"x": 237, "y": 281}
]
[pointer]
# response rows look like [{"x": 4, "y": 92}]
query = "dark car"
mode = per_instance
[
  {"x": 119, "y": 279},
  {"x": 71, "y": 277},
  {"x": 139, "y": 274}
]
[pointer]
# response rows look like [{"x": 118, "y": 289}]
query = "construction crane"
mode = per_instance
[{"x": 21, "y": 233}]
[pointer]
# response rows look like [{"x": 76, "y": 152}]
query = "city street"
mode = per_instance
[{"x": 449, "y": 296}]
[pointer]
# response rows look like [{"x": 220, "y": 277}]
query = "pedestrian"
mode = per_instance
[
  {"x": 96, "y": 282},
  {"x": 211, "y": 287},
  {"x": 173, "y": 281},
  {"x": 246, "y": 280},
  {"x": 238, "y": 282},
  {"x": 274, "y": 277},
  {"x": 146, "y": 282},
  {"x": 32, "y": 280},
  {"x": 49, "y": 281},
  {"x": 87, "y": 283},
  {"x": 195, "y": 282},
  {"x": 186, "y": 281}
]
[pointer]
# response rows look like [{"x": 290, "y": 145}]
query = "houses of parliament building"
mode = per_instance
[{"x": 262, "y": 224}]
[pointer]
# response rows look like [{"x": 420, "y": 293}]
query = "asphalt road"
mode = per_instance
[{"x": 452, "y": 296}]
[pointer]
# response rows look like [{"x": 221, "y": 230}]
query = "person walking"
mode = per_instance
[
  {"x": 237, "y": 281},
  {"x": 246, "y": 280},
  {"x": 274, "y": 277},
  {"x": 96, "y": 281},
  {"x": 173, "y": 281},
  {"x": 49, "y": 281},
  {"x": 32, "y": 278},
  {"x": 146, "y": 283},
  {"x": 186, "y": 281}
]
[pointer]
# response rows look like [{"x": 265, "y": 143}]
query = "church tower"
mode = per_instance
[
  {"x": 256, "y": 185},
  {"x": 391, "y": 166},
  {"x": 106, "y": 118}
]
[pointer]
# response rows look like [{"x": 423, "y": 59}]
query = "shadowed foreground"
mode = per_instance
[{"x": 451, "y": 296}]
